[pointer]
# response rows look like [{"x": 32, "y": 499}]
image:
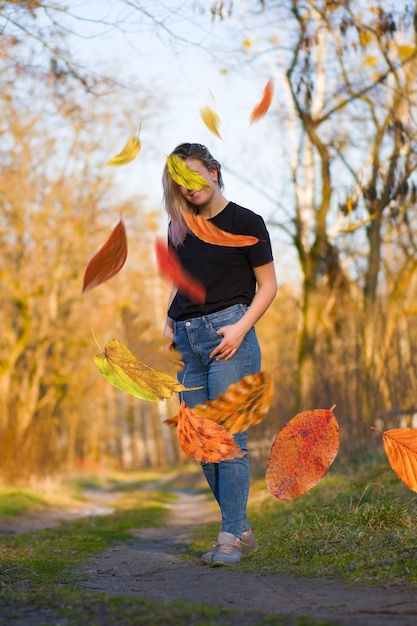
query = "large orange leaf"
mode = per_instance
[
  {"x": 109, "y": 260},
  {"x": 204, "y": 440},
  {"x": 243, "y": 404},
  {"x": 208, "y": 232},
  {"x": 400, "y": 446},
  {"x": 302, "y": 453},
  {"x": 170, "y": 267},
  {"x": 262, "y": 107}
]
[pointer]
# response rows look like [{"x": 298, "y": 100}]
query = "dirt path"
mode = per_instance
[{"x": 152, "y": 566}]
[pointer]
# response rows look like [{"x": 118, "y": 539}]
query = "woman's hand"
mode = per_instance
[{"x": 233, "y": 336}]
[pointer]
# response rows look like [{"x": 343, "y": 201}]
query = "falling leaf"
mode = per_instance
[
  {"x": 170, "y": 267},
  {"x": 129, "y": 153},
  {"x": 124, "y": 371},
  {"x": 242, "y": 405},
  {"x": 144, "y": 340},
  {"x": 109, "y": 260},
  {"x": 211, "y": 120},
  {"x": 208, "y": 232},
  {"x": 262, "y": 107},
  {"x": 302, "y": 453},
  {"x": 184, "y": 175},
  {"x": 204, "y": 440},
  {"x": 400, "y": 446}
]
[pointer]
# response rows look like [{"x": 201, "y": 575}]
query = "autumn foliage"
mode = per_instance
[{"x": 302, "y": 453}]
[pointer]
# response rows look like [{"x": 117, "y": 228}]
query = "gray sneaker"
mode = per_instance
[
  {"x": 248, "y": 545},
  {"x": 228, "y": 551}
]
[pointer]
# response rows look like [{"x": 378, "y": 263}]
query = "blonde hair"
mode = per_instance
[{"x": 174, "y": 201}]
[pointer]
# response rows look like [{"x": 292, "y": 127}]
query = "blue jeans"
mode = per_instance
[{"x": 195, "y": 339}]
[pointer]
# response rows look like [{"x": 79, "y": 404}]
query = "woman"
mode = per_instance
[{"x": 217, "y": 339}]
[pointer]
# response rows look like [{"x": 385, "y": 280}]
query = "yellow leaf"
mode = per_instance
[
  {"x": 124, "y": 371},
  {"x": 211, "y": 120},
  {"x": 130, "y": 151},
  {"x": 405, "y": 52},
  {"x": 371, "y": 60},
  {"x": 184, "y": 175}
]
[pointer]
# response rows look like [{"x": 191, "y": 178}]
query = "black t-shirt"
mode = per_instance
[{"x": 226, "y": 272}]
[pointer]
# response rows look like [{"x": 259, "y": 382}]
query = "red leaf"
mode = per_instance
[
  {"x": 109, "y": 260},
  {"x": 302, "y": 453},
  {"x": 262, "y": 107},
  {"x": 170, "y": 268}
]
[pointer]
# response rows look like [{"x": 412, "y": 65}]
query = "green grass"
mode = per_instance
[
  {"x": 38, "y": 576},
  {"x": 16, "y": 502},
  {"x": 359, "y": 524}
]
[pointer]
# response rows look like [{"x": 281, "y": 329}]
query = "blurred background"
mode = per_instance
[{"x": 331, "y": 167}]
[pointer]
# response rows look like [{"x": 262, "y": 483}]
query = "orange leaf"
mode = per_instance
[
  {"x": 170, "y": 267},
  {"x": 109, "y": 260},
  {"x": 400, "y": 446},
  {"x": 243, "y": 404},
  {"x": 262, "y": 107},
  {"x": 204, "y": 440},
  {"x": 208, "y": 232},
  {"x": 302, "y": 453}
]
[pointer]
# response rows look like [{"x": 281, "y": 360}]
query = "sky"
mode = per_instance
[{"x": 185, "y": 77}]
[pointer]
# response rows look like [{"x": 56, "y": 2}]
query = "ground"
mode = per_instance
[{"x": 152, "y": 565}]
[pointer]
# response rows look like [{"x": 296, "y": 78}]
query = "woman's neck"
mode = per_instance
[{"x": 214, "y": 207}]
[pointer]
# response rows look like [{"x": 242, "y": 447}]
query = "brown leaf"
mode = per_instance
[
  {"x": 242, "y": 405},
  {"x": 302, "y": 453},
  {"x": 262, "y": 107},
  {"x": 109, "y": 260},
  {"x": 400, "y": 446},
  {"x": 204, "y": 440},
  {"x": 144, "y": 340},
  {"x": 208, "y": 232}
]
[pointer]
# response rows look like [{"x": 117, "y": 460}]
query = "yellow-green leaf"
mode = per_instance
[
  {"x": 124, "y": 371},
  {"x": 129, "y": 152},
  {"x": 184, "y": 175},
  {"x": 211, "y": 120}
]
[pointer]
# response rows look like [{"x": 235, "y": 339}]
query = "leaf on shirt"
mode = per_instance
[
  {"x": 208, "y": 232},
  {"x": 170, "y": 267}
]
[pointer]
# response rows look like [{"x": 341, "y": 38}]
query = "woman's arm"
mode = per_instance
[{"x": 234, "y": 334}]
